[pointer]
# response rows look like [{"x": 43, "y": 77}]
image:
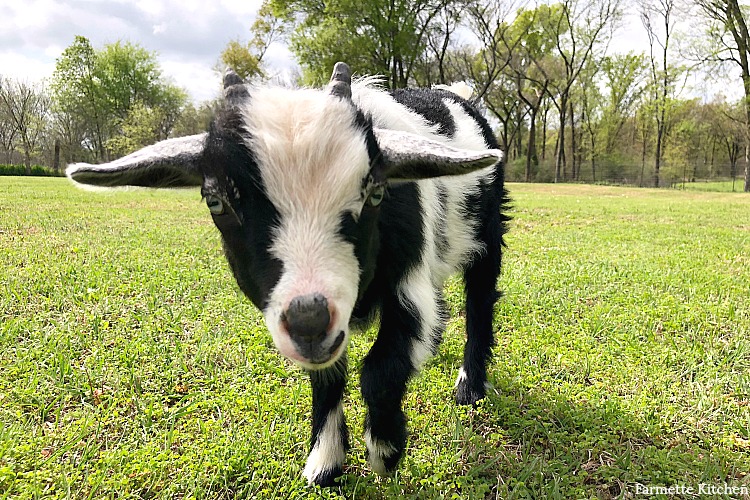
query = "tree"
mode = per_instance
[
  {"x": 27, "y": 107},
  {"x": 96, "y": 91},
  {"x": 532, "y": 66},
  {"x": 580, "y": 26},
  {"x": 662, "y": 74},
  {"x": 79, "y": 103},
  {"x": 8, "y": 130},
  {"x": 436, "y": 65},
  {"x": 729, "y": 42},
  {"x": 499, "y": 41},
  {"x": 247, "y": 59},
  {"x": 373, "y": 36},
  {"x": 624, "y": 76}
]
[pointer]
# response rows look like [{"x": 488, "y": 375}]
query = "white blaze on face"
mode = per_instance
[{"x": 312, "y": 162}]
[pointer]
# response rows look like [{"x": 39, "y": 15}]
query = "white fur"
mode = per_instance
[
  {"x": 378, "y": 450},
  {"x": 312, "y": 161},
  {"x": 461, "y": 89},
  {"x": 328, "y": 452},
  {"x": 461, "y": 376},
  {"x": 421, "y": 286}
]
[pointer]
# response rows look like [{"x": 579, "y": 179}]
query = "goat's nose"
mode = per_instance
[{"x": 307, "y": 317}]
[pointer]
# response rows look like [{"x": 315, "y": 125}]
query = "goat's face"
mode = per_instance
[{"x": 291, "y": 180}]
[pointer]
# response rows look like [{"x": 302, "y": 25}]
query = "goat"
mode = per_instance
[{"x": 344, "y": 205}]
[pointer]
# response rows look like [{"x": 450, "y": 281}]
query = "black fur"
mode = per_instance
[
  {"x": 429, "y": 103},
  {"x": 247, "y": 226}
]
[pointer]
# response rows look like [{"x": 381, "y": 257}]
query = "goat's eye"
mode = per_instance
[
  {"x": 215, "y": 205},
  {"x": 376, "y": 196}
]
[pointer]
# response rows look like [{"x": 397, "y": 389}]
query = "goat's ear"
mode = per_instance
[
  {"x": 170, "y": 163},
  {"x": 411, "y": 157}
]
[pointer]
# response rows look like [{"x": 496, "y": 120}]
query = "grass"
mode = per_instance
[
  {"x": 132, "y": 367},
  {"x": 725, "y": 186}
]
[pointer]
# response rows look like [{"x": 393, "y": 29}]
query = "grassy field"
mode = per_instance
[
  {"x": 726, "y": 186},
  {"x": 131, "y": 366}
]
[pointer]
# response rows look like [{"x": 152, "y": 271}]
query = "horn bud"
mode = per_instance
[{"x": 341, "y": 81}]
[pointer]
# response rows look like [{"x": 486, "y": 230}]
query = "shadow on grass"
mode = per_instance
[{"x": 557, "y": 439}]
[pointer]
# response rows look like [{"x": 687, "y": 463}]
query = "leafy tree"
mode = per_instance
[
  {"x": 78, "y": 100},
  {"x": 95, "y": 93},
  {"x": 624, "y": 77},
  {"x": 373, "y": 36},
  {"x": 194, "y": 120},
  {"x": 247, "y": 59},
  {"x": 580, "y": 27}
]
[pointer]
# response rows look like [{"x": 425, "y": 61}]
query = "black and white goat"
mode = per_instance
[{"x": 344, "y": 204}]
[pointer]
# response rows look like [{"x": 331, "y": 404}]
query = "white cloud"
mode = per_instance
[{"x": 187, "y": 35}]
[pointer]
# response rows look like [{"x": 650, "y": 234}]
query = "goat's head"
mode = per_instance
[{"x": 294, "y": 180}]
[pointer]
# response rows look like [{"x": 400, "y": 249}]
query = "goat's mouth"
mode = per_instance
[{"x": 315, "y": 355}]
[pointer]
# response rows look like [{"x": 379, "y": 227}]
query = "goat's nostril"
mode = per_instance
[
  {"x": 307, "y": 317},
  {"x": 336, "y": 343}
]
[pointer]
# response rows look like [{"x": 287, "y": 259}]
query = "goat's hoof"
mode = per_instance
[
  {"x": 467, "y": 395},
  {"x": 383, "y": 456},
  {"x": 469, "y": 392},
  {"x": 325, "y": 478}
]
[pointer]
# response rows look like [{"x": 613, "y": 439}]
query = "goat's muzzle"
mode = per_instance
[{"x": 309, "y": 320}]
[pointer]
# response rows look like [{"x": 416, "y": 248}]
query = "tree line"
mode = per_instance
[
  {"x": 566, "y": 106},
  {"x": 99, "y": 104}
]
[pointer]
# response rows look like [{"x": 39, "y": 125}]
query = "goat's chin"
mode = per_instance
[
  {"x": 310, "y": 366},
  {"x": 334, "y": 347}
]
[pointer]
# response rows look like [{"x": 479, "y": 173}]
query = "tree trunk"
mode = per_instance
[
  {"x": 657, "y": 161},
  {"x": 27, "y": 161},
  {"x": 531, "y": 156},
  {"x": 573, "y": 144},
  {"x": 544, "y": 132},
  {"x": 560, "y": 161},
  {"x": 56, "y": 159},
  {"x": 739, "y": 30}
]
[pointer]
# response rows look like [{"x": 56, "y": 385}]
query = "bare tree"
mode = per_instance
[
  {"x": 435, "y": 66},
  {"x": 488, "y": 22},
  {"x": 658, "y": 18},
  {"x": 729, "y": 42},
  {"x": 8, "y": 130},
  {"x": 27, "y": 106},
  {"x": 581, "y": 27}
]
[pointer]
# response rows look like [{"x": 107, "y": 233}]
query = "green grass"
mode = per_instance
[
  {"x": 132, "y": 367},
  {"x": 726, "y": 186}
]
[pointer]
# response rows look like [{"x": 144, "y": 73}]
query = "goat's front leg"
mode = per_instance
[
  {"x": 330, "y": 437},
  {"x": 406, "y": 338}
]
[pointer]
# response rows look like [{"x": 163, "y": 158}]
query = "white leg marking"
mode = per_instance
[
  {"x": 461, "y": 376},
  {"x": 378, "y": 450},
  {"x": 328, "y": 452}
]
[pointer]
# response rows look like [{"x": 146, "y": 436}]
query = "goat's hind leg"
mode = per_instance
[{"x": 481, "y": 294}]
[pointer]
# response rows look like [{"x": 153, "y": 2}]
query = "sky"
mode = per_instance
[{"x": 186, "y": 35}]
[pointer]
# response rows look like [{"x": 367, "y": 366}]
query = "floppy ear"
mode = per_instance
[
  {"x": 170, "y": 163},
  {"x": 411, "y": 157}
]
